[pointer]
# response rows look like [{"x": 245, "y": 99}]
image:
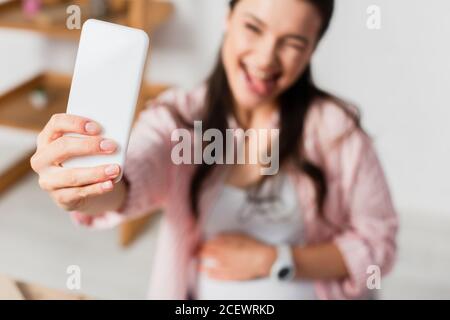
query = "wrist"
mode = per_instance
[
  {"x": 268, "y": 257},
  {"x": 298, "y": 254},
  {"x": 283, "y": 268}
]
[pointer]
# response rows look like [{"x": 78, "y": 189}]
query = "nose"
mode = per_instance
[{"x": 266, "y": 55}]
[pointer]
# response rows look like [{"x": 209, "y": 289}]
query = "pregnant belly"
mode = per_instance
[{"x": 258, "y": 289}]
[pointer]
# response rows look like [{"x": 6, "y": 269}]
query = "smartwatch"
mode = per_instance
[{"x": 283, "y": 269}]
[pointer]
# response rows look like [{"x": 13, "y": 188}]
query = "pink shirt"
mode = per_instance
[{"x": 358, "y": 197}]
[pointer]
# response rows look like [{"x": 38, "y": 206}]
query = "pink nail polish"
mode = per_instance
[
  {"x": 91, "y": 127},
  {"x": 108, "y": 145},
  {"x": 112, "y": 170}
]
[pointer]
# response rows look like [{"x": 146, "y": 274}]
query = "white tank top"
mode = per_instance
[{"x": 270, "y": 214}]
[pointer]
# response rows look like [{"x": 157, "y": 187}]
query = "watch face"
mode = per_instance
[{"x": 285, "y": 273}]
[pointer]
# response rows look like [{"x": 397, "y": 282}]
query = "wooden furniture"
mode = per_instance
[
  {"x": 133, "y": 229},
  {"x": 15, "y": 172},
  {"x": 15, "y": 108},
  {"x": 11, "y": 289},
  {"x": 142, "y": 14},
  {"x": 16, "y": 111}
]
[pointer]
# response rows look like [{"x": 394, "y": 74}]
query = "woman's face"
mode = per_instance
[{"x": 267, "y": 46}]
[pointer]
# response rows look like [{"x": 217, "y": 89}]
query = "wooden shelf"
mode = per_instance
[
  {"x": 16, "y": 110},
  {"x": 11, "y": 289},
  {"x": 11, "y": 16},
  {"x": 13, "y": 174},
  {"x": 131, "y": 230}
]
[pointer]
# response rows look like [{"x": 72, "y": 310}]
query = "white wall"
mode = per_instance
[{"x": 398, "y": 75}]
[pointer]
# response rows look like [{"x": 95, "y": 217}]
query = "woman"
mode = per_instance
[{"x": 310, "y": 232}]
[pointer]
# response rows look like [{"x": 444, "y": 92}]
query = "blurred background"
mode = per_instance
[{"x": 398, "y": 75}]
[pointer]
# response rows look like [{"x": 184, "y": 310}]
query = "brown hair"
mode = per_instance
[{"x": 294, "y": 105}]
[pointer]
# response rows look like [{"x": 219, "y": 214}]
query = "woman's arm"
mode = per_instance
[
  {"x": 319, "y": 262},
  {"x": 315, "y": 262},
  {"x": 241, "y": 257}
]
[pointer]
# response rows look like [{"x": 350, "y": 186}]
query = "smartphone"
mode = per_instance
[{"x": 106, "y": 83}]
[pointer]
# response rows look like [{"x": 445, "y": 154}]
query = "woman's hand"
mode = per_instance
[
  {"x": 236, "y": 257},
  {"x": 72, "y": 189}
]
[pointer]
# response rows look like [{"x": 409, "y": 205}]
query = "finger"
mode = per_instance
[
  {"x": 228, "y": 236},
  {"x": 65, "y": 123},
  {"x": 216, "y": 273},
  {"x": 223, "y": 276},
  {"x": 223, "y": 237},
  {"x": 83, "y": 219},
  {"x": 68, "y": 147},
  {"x": 208, "y": 249},
  {"x": 209, "y": 264},
  {"x": 74, "y": 198},
  {"x": 205, "y": 269},
  {"x": 86, "y": 219},
  {"x": 215, "y": 244},
  {"x": 216, "y": 240},
  {"x": 212, "y": 256},
  {"x": 60, "y": 178}
]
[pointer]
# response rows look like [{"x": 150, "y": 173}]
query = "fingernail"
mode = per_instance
[
  {"x": 91, "y": 127},
  {"x": 107, "y": 185},
  {"x": 112, "y": 170},
  {"x": 108, "y": 145}
]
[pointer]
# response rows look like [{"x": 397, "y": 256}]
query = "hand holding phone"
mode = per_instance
[
  {"x": 106, "y": 83},
  {"x": 80, "y": 154}
]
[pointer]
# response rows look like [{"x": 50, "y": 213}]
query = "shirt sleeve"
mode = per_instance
[
  {"x": 370, "y": 239},
  {"x": 368, "y": 224}
]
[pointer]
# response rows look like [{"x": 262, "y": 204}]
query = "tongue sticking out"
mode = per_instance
[{"x": 262, "y": 87}]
